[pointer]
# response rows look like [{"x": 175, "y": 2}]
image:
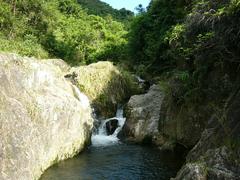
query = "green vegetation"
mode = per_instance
[
  {"x": 193, "y": 47},
  {"x": 106, "y": 85},
  {"x": 59, "y": 28},
  {"x": 102, "y": 9},
  {"x": 194, "y": 42},
  {"x": 150, "y": 31}
]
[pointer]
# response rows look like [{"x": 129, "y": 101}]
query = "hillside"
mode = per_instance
[
  {"x": 59, "y": 29},
  {"x": 103, "y": 9}
]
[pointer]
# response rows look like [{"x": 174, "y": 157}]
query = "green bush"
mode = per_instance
[
  {"x": 27, "y": 47},
  {"x": 61, "y": 29}
]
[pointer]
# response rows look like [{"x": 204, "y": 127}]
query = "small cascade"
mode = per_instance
[{"x": 101, "y": 137}]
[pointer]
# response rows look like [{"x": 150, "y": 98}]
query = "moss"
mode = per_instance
[{"x": 106, "y": 85}]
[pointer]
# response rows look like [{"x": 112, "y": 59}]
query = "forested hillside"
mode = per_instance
[
  {"x": 59, "y": 28},
  {"x": 103, "y": 9},
  {"x": 197, "y": 42}
]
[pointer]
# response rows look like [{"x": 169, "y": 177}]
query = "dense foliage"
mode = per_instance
[
  {"x": 192, "y": 49},
  {"x": 150, "y": 30},
  {"x": 195, "y": 42},
  {"x": 103, "y": 9},
  {"x": 58, "y": 28}
]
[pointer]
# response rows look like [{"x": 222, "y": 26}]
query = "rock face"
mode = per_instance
[
  {"x": 154, "y": 117},
  {"x": 143, "y": 114},
  {"x": 43, "y": 117},
  {"x": 216, "y": 150},
  {"x": 217, "y": 154},
  {"x": 182, "y": 125}
]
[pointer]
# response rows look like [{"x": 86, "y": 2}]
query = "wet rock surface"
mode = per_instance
[{"x": 111, "y": 126}]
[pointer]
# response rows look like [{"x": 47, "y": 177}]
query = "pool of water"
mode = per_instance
[{"x": 119, "y": 161}]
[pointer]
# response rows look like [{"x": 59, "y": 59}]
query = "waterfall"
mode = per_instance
[{"x": 100, "y": 138}]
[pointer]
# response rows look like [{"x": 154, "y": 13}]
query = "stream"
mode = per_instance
[{"x": 109, "y": 158}]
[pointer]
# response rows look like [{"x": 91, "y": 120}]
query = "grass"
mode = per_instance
[{"x": 106, "y": 85}]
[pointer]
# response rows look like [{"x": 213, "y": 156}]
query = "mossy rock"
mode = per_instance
[{"x": 106, "y": 85}]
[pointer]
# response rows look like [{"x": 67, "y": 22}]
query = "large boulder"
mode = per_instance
[
  {"x": 43, "y": 117},
  {"x": 143, "y": 114},
  {"x": 154, "y": 118},
  {"x": 105, "y": 85}
]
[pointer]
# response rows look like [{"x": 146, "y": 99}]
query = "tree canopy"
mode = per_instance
[
  {"x": 59, "y": 28},
  {"x": 195, "y": 42},
  {"x": 103, "y": 9}
]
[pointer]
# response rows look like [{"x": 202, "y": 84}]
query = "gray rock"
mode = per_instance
[
  {"x": 218, "y": 150},
  {"x": 143, "y": 113},
  {"x": 43, "y": 117},
  {"x": 111, "y": 126},
  {"x": 214, "y": 164},
  {"x": 170, "y": 124},
  {"x": 182, "y": 124},
  {"x": 192, "y": 171}
]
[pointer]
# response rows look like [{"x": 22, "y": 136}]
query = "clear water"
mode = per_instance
[
  {"x": 119, "y": 161},
  {"x": 109, "y": 159}
]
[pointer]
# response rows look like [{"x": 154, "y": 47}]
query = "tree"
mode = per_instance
[{"x": 140, "y": 9}]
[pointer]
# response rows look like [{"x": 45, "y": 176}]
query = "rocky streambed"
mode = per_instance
[
  {"x": 45, "y": 118},
  {"x": 109, "y": 158}
]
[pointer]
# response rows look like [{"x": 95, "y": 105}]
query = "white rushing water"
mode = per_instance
[{"x": 100, "y": 138}]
